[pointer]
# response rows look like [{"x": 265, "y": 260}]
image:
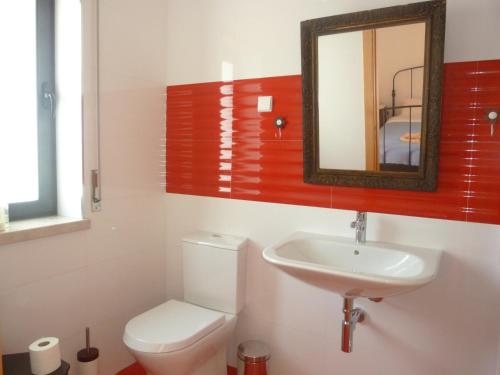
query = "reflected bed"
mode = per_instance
[{"x": 395, "y": 148}]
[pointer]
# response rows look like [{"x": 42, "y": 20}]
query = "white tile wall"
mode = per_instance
[
  {"x": 446, "y": 328},
  {"x": 104, "y": 276}
]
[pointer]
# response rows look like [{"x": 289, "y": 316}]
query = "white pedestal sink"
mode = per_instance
[{"x": 371, "y": 269}]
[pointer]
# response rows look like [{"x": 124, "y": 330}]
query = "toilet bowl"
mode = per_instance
[
  {"x": 179, "y": 338},
  {"x": 190, "y": 337}
]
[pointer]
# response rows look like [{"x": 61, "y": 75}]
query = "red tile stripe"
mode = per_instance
[{"x": 218, "y": 145}]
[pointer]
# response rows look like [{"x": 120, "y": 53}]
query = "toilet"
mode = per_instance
[{"x": 189, "y": 337}]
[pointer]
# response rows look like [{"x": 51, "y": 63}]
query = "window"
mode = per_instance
[
  {"x": 27, "y": 108},
  {"x": 41, "y": 108}
]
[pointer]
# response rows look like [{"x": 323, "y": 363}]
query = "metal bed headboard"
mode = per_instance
[{"x": 411, "y": 69}]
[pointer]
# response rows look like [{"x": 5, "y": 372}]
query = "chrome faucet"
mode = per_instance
[{"x": 360, "y": 225}]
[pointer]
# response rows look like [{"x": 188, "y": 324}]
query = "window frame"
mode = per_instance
[{"x": 46, "y": 205}]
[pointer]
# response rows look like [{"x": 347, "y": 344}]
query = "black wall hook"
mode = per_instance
[{"x": 279, "y": 122}]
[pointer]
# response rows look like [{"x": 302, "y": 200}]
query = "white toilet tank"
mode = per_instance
[{"x": 214, "y": 268}]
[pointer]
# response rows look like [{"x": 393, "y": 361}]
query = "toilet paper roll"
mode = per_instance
[
  {"x": 45, "y": 355},
  {"x": 89, "y": 368}
]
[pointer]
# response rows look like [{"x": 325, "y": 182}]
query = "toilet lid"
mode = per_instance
[{"x": 170, "y": 326}]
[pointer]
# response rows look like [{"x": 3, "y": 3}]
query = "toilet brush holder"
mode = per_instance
[{"x": 88, "y": 358}]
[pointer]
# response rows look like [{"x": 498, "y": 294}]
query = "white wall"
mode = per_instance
[
  {"x": 214, "y": 31},
  {"x": 341, "y": 103},
  {"x": 103, "y": 276},
  {"x": 400, "y": 47},
  {"x": 447, "y": 328}
]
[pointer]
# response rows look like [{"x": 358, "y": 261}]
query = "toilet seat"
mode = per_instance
[{"x": 171, "y": 326}]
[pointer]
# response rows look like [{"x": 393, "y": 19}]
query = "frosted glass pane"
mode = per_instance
[{"x": 18, "y": 102}]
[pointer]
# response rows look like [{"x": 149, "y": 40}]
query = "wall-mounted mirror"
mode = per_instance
[{"x": 372, "y": 96}]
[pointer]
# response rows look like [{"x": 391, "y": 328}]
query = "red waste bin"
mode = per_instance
[{"x": 253, "y": 356}]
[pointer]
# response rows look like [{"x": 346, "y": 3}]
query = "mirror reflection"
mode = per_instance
[{"x": 370, "y": 89}]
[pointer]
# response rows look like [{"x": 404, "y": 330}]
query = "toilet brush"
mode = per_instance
[{"x": 88, "y": 358}]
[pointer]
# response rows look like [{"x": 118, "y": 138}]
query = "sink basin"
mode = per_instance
[{"x": 371, "y": 269}]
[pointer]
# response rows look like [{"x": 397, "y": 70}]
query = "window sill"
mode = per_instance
[{"x": 26, "y": 230}]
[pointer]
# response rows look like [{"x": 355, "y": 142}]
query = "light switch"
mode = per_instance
[{"x": 265, "y": 104}]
